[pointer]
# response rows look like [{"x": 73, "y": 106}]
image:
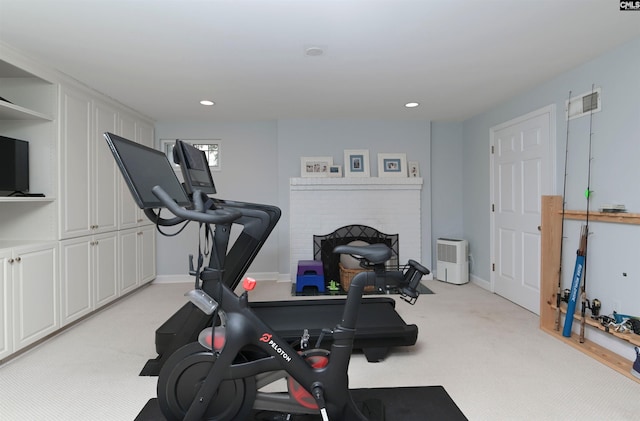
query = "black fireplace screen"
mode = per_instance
[{"x": 323, "y": 246}]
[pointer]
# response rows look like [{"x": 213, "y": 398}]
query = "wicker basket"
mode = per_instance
[{"x": 346, "y": 275}]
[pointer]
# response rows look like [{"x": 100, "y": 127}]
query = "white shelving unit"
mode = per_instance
[{"x": 46, "y": 279}]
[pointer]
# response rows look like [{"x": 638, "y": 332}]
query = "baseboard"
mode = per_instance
[
  {"x": 480, "y": 282},
  {"x": 284, "y": 277},
  {"x": 172, "y": 279}
]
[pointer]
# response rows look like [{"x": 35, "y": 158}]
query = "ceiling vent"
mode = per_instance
[{"x": 584, "y": 104}]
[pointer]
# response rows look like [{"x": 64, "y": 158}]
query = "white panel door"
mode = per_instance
[
  {"x": 522, "y": 173},
  {"x": 6, "y": 316},
  {"x": 75, "y": 163},
  {"x": 106, "y": 176},
  {"x": 75, "y": 285},
  {"x": 35, "y": 293}
]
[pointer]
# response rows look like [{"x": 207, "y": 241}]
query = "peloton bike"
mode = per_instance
[
  {"x": 379, "y": 326},
  {"x": 222, "y": 375}
]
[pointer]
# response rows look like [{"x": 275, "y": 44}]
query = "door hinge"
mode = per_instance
[
  {"x": 493, "y": 207},
  {"x": 493, "y": 267},
  {"x": 491, "y": 148}
]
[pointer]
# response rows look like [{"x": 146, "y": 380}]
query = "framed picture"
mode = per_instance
[
  {"x": 356, "y": 163},
  {"x": 211, "y": 148},
  {"x": 335, "y": 171},
  {"x": 392, "y": 165},
  {"x": 315, "y": 166},
  {"x": 414, "y": 169}
]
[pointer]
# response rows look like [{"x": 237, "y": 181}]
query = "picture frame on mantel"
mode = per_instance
[
  {"x": 414, "y": 169},
  {"x": 356, "y": 163},
  {"x": 392, "y": 165},
  {"x": 315, "y": 166},
  {"x": 335, "y": 171}
]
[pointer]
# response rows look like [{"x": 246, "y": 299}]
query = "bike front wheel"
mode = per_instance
[{"x": 183, "y": 374}]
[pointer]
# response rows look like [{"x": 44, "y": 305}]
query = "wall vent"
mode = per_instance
[{"x": 585, "y": 104}]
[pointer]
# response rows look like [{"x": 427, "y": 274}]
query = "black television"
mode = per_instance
[
  {"x": 195, "y": 168},
  {"x": 14, "y": 166},
  {"x": 144, "y": 168}
]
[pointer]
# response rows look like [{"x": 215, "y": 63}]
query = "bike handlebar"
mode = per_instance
[{"x": 207, "y": 216}]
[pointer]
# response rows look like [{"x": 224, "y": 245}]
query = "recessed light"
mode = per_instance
[
  {"x": 412, "y": 104},
  {"x": 207, "y": 102},
  {"x": 315, "y": 50}
]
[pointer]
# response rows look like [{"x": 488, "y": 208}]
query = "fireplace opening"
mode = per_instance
[{"x": 323, "y": 246}]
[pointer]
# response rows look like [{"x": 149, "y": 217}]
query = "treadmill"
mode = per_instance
[{"x": 379, "y": 326}]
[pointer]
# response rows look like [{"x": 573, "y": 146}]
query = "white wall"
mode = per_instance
[
  {"x": 259, "y": 158},
  {"x": 613, "y": 249},
  {"x": 446, "y": 182},
  {"x": 248, "y": 173}
]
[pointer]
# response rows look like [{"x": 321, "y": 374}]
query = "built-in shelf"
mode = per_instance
[
  {"x": 612, "y": 217},
  {"x": 550, "y": 261},
  {"x": 9, "y": 111},
  {"x": 21, "y": 199},
  {"x": 630, "y": 337}
]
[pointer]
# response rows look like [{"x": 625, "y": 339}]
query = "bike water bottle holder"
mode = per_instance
[
  {"x": 203, "y": 301},
  {"x": 412, "y": 278}
]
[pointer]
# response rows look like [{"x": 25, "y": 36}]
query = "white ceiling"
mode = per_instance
[{"x": 457, "y": 58}]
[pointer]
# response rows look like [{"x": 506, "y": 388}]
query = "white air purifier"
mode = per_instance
[{"x": 453, "y": 264}]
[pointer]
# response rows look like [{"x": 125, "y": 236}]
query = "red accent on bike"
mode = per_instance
[
  {"x": 219, "y": 340},
  {"x": 248, "y": 284},
  {"x": 266, "y": 337},
  {"x": 298, "y": 392}
]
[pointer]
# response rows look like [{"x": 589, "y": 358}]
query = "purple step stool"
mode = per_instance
[{"x": 310, "y": 273}]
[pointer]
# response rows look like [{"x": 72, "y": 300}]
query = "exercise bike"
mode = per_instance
[{"x": 223, "y": 374}]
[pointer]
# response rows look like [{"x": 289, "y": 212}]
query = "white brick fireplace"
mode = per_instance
[{"x": 318, "y": 206}]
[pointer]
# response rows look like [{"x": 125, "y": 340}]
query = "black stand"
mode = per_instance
[
  {"x": 18, "y": 193},
  {"x": 389, "y": 403}
]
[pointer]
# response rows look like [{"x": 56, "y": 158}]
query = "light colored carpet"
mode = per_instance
[{"x": 487, "y": 352}]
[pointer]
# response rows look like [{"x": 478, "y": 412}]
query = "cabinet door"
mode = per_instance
[
  {"x": 106, "y": 176},
  {"x": 75, "y": 284},
  {"x": 147, "y": 263},
  {"x": 75, "y": 163},
  {"x": 105, "y": 263},
  {"x": 6, "y": 330},
  {"x": 128, "y": 208},
  {"x": 144, "y": 134},
  {"x": 35, "y": 297},
  {"x": 128, "y": 247}
]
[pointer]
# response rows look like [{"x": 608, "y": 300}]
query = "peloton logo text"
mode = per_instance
[{"x": 266, "y": 338}]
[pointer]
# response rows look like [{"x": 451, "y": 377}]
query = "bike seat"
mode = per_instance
[{"x": 374, "y": 253}]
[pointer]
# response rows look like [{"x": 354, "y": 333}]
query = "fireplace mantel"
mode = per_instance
[
  {"x": 364, "y": 183},
  {"x": 320, "y": 205}
]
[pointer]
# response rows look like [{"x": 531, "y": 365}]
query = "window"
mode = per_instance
[{"x": 211, "y": 148}]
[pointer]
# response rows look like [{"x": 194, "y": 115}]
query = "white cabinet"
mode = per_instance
[
  {"x": 75, "y": 163},
  {"x": 106, "y": 176},
  {"x": 60, "y": 255},
  {"x": 137, "y": 257},
  {"x": 105, "y": 268},
  {"x": 6, "y": 316},
  {"x": 147, "y": 261},
  {"x": 89, "y": 265},
  {"x": 88, "y": 177},
  {"x": 34, "y": 283},
  {"x": 130, "y": 214}
]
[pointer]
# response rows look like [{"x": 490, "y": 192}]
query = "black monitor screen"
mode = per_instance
[
  {"x": 144, "y": 168},
  {"x": 195, "y": 168}
]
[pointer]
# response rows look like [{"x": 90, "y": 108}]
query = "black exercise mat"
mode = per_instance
[
  {"x": 400, "y": 404},
  {"x": 313, "y": 291}
]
